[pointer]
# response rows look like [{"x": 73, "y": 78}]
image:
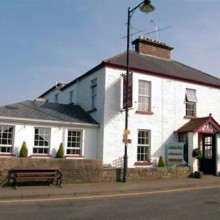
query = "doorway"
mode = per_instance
[{"x": 208, "y": 161}]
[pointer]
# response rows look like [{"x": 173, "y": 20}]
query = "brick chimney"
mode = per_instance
[{"x": 152, "y": 47}]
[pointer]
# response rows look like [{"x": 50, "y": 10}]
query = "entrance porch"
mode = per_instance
[{"x": 202, "y": 134}]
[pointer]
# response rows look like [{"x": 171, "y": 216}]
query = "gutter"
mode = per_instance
[
  {"x": 47, "y": 122},
  {"x": 161, "y": 74}
]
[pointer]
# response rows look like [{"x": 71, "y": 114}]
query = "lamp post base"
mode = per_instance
[{"x": 125, "y": 174}]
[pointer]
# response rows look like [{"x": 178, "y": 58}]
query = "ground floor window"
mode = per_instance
[
  {"x": 6, "y": 138},
  {"x": 74, "y": 143},
  {"x": 143, "y": 148},
  {"x": 41, "y": 141}
]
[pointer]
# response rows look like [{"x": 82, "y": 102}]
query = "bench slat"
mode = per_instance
[
  {"x": 35, "y": 168},
  {"x": 34, "y": 177},
  {"x": 35, "y": 173}
]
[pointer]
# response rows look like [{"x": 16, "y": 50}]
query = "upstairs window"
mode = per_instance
[
  {"x": 56, "y": 98},
  {"x": 41, "y": 141},
  {"x": 94, "y": 93},
  {"x": 71, "y": 96},
  {"x": 6, "y": 138},
  {"x": 191, "y": 101},
  {"x": 144, "y": 96}
]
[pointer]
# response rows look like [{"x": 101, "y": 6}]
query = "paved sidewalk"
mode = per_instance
[{"x": 92, "y": 189}]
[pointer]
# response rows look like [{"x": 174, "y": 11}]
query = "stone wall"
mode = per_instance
[{"x": 82, "y": 171}]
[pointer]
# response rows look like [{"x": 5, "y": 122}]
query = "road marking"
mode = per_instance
[{"x": 106, "y": 195}]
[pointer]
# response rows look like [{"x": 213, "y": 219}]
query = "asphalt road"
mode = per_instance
[{"x": 188, "y": 204}]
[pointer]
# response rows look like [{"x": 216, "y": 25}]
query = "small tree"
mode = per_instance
[
  {"x": 197, "y": 153},
  {"x": 24, "y": 150},
  {"x": 161, "y": 162},
  {"x": 60, "y": 151}
]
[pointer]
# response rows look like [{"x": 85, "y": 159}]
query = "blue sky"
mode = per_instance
[{"x": 44, "y": 41}]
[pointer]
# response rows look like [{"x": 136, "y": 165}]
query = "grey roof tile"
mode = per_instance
[
  {"x": 47, "y": 111},
  {"x": 163, "y": 67}
]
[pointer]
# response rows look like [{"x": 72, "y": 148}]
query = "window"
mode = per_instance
[
  {"x": 191, "y": 101},
  {"x": 183, "y": 137},
  {"x": 56, "y": 100},
  {"x": 71, "y": 96},
  {"x": 6, "y": 138},
  {"x": 144, "y": 96},
  {"x": 41, "y": 141},
  {"x": 74, "y": 143},
  {"x": 94, "y": 92},
  {"x": 143, "y": 148}
]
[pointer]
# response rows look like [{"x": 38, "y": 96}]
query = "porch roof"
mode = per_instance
[{"x": 200, "y": 125}]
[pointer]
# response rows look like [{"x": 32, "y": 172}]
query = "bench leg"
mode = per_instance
[
  {"x": 15, "y": 183},
  {"x": 59, "y": 179}
]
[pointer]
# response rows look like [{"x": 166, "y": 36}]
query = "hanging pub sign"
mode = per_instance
[
  {"x": 130, "y": 82},
  {"x": 175, "y": 154}
]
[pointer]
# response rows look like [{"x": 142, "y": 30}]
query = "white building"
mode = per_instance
[{"x": 169, "y": 103}]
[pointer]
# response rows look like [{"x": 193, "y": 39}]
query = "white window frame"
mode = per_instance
[
  {"x": 56, "y": 98},
  {"x": 190, "y": 102},
  {"x": 93, "y": 86},
  {"x": 144, "y": 96},
  {"x": 74, "y": 142},
  {"x": 42, "y": 147},
  {"x": 143, "y": 145},
  {"x": 71, "y": 93},
  {"x": 6, "y": 139}
]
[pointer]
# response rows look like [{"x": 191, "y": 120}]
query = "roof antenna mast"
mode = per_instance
[{"x": 156, "y": 28}]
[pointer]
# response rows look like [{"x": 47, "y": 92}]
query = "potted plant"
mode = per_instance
[
  {"x": 24, "y": 150},
  {"x": 161, "y": 162},
  {"x": 60, "y": 152},
  {"x": 197, "y": 154}
]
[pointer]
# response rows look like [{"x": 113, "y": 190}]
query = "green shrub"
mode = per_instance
[
  {"x": 161, "y": 162},
  {"x": 197, "y": 153},
  {"x": 24, "y": 150},
  {"x": 60, "y": 152}
]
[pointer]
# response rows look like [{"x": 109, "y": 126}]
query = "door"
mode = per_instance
[{"x": 208, "y": 151}]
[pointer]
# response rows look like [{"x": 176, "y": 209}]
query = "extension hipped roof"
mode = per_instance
[{"x": 45, "y": 111}]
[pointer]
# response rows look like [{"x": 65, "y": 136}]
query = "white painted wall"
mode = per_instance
[
  {"x": 218, "y": 155},
  {"x": 25, "y": 132},
  {"x": 168, "y": 107},
  {"x": 192, "y": 144}
]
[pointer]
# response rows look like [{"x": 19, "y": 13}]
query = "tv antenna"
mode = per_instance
[
  {"x": 157, "y": 29},
  {"x": 136, "y": 32}
]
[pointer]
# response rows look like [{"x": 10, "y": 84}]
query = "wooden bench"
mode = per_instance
[{"x": 50, "y": 174}]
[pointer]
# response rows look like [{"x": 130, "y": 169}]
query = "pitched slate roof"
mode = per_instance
[
  {"x": 198, "y": 124},
  {"x": 152, "y": 65},
  {"x": 163, "y": 67},
  {"x": 41, "y": 110}
]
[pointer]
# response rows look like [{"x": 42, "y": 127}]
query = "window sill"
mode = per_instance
[
  {"x": 143, "y": 163},
  {"x": 7, "y": 155},
  {"x": 190, "y": 117},
  {"x": 40, "y": 155},
  {"x": 144, "y": 113},
  {"x": 92, "y": 110},
  {"x": 73, "y": 157}
]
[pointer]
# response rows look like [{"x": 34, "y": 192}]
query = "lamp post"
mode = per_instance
[{"x": 145, "y": 7}]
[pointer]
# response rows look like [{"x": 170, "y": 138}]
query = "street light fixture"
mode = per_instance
[{"x": 145, "y": 7}]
